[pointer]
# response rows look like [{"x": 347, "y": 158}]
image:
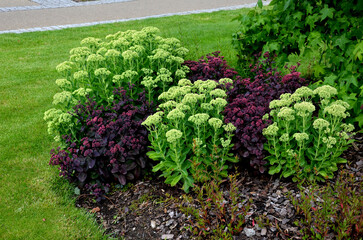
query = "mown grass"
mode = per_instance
[{"x": 34, "y": 202}]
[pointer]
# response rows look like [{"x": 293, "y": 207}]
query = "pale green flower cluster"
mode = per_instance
[
  {"x": 224, "y": 81},
  {"x": 304, "y": 92},
  {"x": 199, "y": 118},
  {"x": 80, "y": 75},
  {"x": 320, "y": 124},
  {"x": 304, "y": 109},
  {"x": 285, "y": 137},
  {"x": 287, "y": 114},
  {"x": 336, "y": 110},
  {"x": 229, "y": 128},
  {"x": 102, "y": 72},
  {"x": 129, "y": 74},
  {"x": 219, "y": 102},
  {"x": 63, "y": 83},
  {"x": 173, "y": 135},
  {"x": 153, "y": 120},
  {"x": 112, "y": 53},
  {"x": 130, "y": 55},
  {"x": 176, "y": 115},
  {"x": 216, "y": 123},
  {"x": 326, "y": 91},
  {"x": 64, "y": 67},
  {"x": 329, "y": 141},
  {"x": 91, "y": 42},
  {"x": 57, "y": 120},
  {"x": 62, "y": 97},
  {"x": 300, "y": 137},
  {"x": 95, "y": 58},
  {"x": 225, "y": 143},
  {"x": 218, "y": 93},
  {"x": 271, "y": 130},
  {"x": 81, "y": 92},
  {"x": 347, "y": 127},
  {"x": 184, "y": 82}
]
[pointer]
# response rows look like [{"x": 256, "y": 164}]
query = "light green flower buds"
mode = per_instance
[
  {"x": 199, "y": 118},
  {"x": 215, "y": 123},
  {"x": 326, "y": 91},
  {"x": 271, "y": 130},
  {"x": 229, "y": 128},
  {"x": 320, "y": 124},
  {"x": 173, "y": 135},
  {"x": 300, "y": 137}
]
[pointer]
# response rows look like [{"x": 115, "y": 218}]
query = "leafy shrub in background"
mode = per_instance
[
  {"x": 325, "y": 36},
  {"x": 211, "y": 67},
  {"x": 248, "y": 103},
  {"x": 188, "y": 132},
  {"x": 110, "y": 146},
  {"x": 134, "y": 60},
  {"x": 308, "y": 134}
]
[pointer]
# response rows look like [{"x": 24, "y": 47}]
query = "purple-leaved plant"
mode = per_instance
[{"x": 249, "y": 101}]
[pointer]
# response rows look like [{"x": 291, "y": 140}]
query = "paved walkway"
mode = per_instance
[{"x": 17, "y": 16}]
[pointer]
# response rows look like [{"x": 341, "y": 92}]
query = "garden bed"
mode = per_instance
[{"x": 150, "y": 209}]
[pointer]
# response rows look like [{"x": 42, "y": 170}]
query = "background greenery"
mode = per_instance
[{"x": 34, "y": 202}]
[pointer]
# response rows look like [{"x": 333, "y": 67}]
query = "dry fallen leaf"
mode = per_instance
[{"x": 96, "y": 209}]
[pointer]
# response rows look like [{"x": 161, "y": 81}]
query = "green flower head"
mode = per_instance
[
  {"x": 173, "y": 135},
  {"x": 300, "y": 137},
  {"x": 229, "y": 128},
  {"x": 304, "y": 109},
  {"x": 305, "y": 92},
  {"x": 63, "y": 83},
  {"x": 65, "y": 67},
  {"x": 326, "y": 91},
  {"x": 130, "y": 55},
  {"x": 91, "y": 42},
  {"x": 112, "y": 53},
  {"x": 190, "y": 98},
  {"x": 336, "y": 110},
  {"x": 182, "y": 107},
  {"x": 94, "y": 58},
  {"x": 218, "y": 93},
  {"x": 347, "y": 127},
  {"x": 329, "y": 141},
  {"x": 102, "y": 51},
  {"x": 287, "y": 113},
  {"x": 81, "y": 92},
  {"x": 207, "y": 106},
  {"x": 129, "y": 74},
  {"x": 274, "y": 104},
  {"x": 175, "y": 114},
  {"x": 320, "y": 124},
  {"x": 151, "y": 30},
  {"x": 184, "y": 82},
  {"x": 148, "y": 82},
  {"x": 154, "y": 119},
  {"x": 102, "y": 72},
  {"x": 80, "y": 75},
  {"x": 219, "y": 102},
  {"x": 225, "y": 143},
  {"x": 284, "y": 137},
  {"x": 180, "y": 74},
  {"x": 271, "y": 130},
  {"x": 199, "y": 118},
  {"x": 224, "y": 81},
  {"x": 168, "y": 105},
  {"x": 215, "y": 123},
  {"x": 147, "y": 71},
  {"x": 62, "y": 97},
  {"x": 116, "y": 78},
  {"x": 82, "y": 51}
]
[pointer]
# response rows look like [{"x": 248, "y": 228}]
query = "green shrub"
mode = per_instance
[
  {"x": 306, "y": 140},
  {"x": 188, "y": 132},
  {"x": 325, "y": 36},
  {"x": 134, "y": 60}
]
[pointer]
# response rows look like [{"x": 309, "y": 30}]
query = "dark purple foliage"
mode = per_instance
[
  {"x": 111, "y": 145},
  {"x": 212, "y": 67},
  {"x": 248, "y": 103}
]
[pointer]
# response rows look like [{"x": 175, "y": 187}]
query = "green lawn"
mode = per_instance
[{"x": 34, "y": 202}]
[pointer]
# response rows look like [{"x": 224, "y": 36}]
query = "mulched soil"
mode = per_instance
[{"x": 151, "y": 209}]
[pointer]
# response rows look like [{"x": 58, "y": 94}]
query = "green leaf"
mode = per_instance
[
  {"x": 324, "y": 174},
  {"x": 330, "y": 80},
  {"x": 341, "y": 160},
  {"x": 341, "y": 42},
  {"x": 326, "y": 12},
  {"x": 287, "y": 174},
  {"x": 274, "y": 169},
  {"x": 175, "y": 180},
  {"x": 259, "y": 3},
  {"x": 158, "y": 167},
  {"x": 358, "y": 51},
  {"x": 155, "y": 155},
  {"x": 287, "y": 4}
]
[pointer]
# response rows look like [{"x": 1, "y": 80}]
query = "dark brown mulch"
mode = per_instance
[{"x": 150, "y": 209}]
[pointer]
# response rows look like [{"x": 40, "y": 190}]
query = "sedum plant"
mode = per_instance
[
  {"x": 133, "y": 60},
  {"x": 188, "y": 133},
  {"x": 308, "y": 133}
]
